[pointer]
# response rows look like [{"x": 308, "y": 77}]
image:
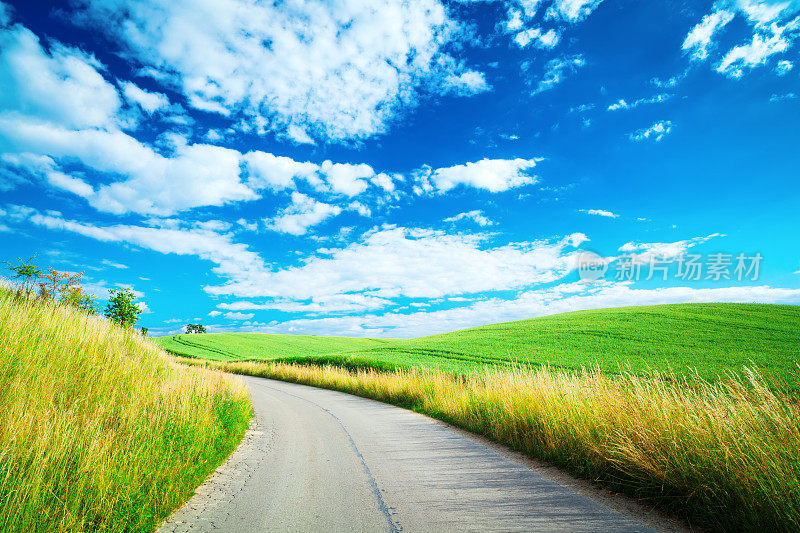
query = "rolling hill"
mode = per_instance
[{"x": 710, "y": 338}]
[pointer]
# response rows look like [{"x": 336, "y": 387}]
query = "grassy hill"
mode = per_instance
[
  {"x": 99, "y": 431},
  {"x": 711, "y": 338}
]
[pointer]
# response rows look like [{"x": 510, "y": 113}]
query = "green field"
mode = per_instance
[{"x": 710, "y": 338}]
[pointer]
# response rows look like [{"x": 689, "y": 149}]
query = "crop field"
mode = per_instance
[{"x": 709, "y": 339}]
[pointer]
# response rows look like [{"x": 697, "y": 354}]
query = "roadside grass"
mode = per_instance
[
  {"x": 707, "y": 339},
  {"x": 99, "y": 430},
  {"x": 722, "y": 453}
]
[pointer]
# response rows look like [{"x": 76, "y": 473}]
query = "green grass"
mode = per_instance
[
  {"x": 711, "y": 339},
  {"x": 99, "y": 429}
]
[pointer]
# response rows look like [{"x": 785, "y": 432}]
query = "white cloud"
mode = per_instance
[
  {"x": 347, "y": 179},
  {"x": 239, "y": 316},
  {"x": 698, "y": 41},
  {"x": 337, "y": 303},
  {"x": 783, "y": 67},
  {"x": 573, "y": 10},
  {"x": 191, "y": 176},
  {"x": 600, "y": 212},
  {"x": 386, "y": 181},
  {"x": 547, "y": 39},
  {"x": 758, "y": 50},
  {"x": 214, "y": 313},
  {"x": 773, "y": 32},
  {"x": 44, "y": 167},
  {"x": 558, "y": 299},
  {"x": 644, "y": 252},
  {"x": 385, "y": 264},
  {"x": 476, "y": 216},
  {"x": 656, "y": 132},
  {"x": 623, "y": 105},
  {"x": 278, "y": 172},
  {"x": 360, "y": 208},
  {"x": 232, "y": 260},
  {"x": 335, "y": 70},
  {"x": 417, "y": 263},
  {"x": 299, "y": 134},
  {"x": 303, "y": 213},
  {"x": 762, "y": 12},
  {"x": 493, "y": 175},
  {"x": 557, "y": 69},
  {"x": 465, "y": 83},
  {"x": 150, "y": 102},
  {"x": 61, "y": 85}
]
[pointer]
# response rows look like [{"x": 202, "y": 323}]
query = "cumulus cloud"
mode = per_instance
[
  {"x": 239, "y": 316},
  {"x": 417, "y": 263},
  {"x": 465, "y": 83},
  {"x": 150, "y": 102},
  {"x": 331, "y": 70},
  {"x": 232, "y": 260},
  {"x": 64, "y": 124},
  {"x": 303, "y": 213},
  {"x": 63, "y": 84},
  {"x": 493, "y": 175},
  {"x": 266, "y": 170},
  {"x": 192, "y": 175},
  {"x": 347, "y": 179},
  {"x": 573, "y": 10},
  {"x": 656, "y": 132},
  {"x": 476, "y": 216}
]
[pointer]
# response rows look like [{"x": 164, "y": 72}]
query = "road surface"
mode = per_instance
[{"x": 319, "y": 460}]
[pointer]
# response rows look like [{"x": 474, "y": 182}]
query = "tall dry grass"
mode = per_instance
[
  {"x": 98, "y": 430},
  {"x": 724, "y": 454}
]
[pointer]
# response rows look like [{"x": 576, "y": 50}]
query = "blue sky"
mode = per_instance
[{"x": 389, "y": 169}]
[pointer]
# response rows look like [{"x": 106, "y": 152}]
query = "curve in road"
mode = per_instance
[{"x": 320, "y": 460}]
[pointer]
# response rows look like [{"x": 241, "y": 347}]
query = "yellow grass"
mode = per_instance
[
  {"x": 723, "y": 454},
  {"x": 98, "y": 430}
]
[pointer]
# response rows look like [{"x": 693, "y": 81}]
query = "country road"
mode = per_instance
[{"x": 319, "y": 460}]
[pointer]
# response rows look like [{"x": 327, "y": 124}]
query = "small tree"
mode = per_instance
[
  {"x": 195, "y": 328},
  {"x": 144, "y": 331},
  {"x": 27, "y": 274},
  {"x": 121, "y": 309}
]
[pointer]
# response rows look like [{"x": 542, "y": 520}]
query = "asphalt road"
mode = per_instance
[{"x": 319, "y": 460}]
